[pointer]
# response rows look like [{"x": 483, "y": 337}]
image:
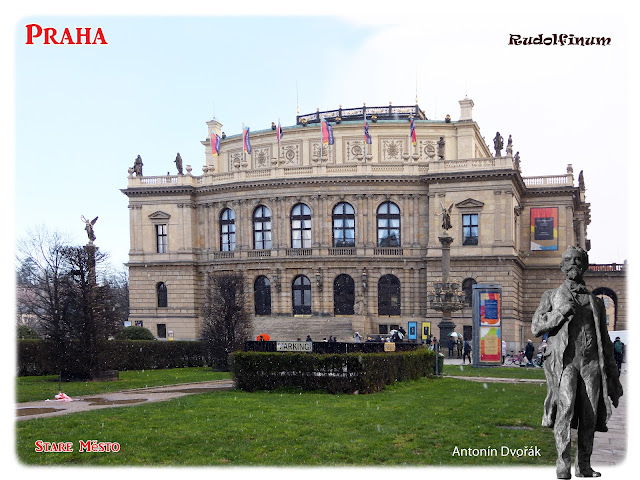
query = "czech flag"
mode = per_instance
[
  {"x": 327, "y": 133},
  {"x": 215, "y": 145},
  {"x": 413, "y": 132},
  {"x": 367, "y": 137},
  {"x": 245, "y": 140}
]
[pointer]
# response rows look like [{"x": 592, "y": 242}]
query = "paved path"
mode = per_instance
[{"x": 29, "y": 410}]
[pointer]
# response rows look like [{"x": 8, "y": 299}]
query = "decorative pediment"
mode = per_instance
[
  {"x": 470, "y": 203},
  {"x": 159, "y": 216}
]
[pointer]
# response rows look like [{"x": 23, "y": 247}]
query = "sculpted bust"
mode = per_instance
[{"x": 579, "y": 365}]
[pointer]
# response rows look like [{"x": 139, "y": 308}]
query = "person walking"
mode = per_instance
[
  {"x": 528, "y": 352},
  {"x": 618, "y": 353},
  {"x": 459, "y": 347},
  {"x": 450, "y": 345},
  {"x": 467, "y": 352},
  {"x": 504, "y": 351}
]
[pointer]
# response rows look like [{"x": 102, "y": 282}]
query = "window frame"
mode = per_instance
[
  {"x": 388, "y": 217},
  {"x": 344, "y": 295},
  {"x": 162, "y": 295},
  {"x": 162, "y": 238},
  {"x": 261, "y": 220},
  {"x": 262, "y": 292},
  {"x": 228, "y": 237},
  {"x": 343, "y": 217},
  {"x": 301, "y": 307},
  {"x": 302, "y": 230},
  {"x": 388, "y": 285},
  {"x": 470, "y": 239}
]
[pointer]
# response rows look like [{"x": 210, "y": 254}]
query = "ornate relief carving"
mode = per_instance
[
  {"x": 392, "y": 149},
  {"x": 327, "y": 152},
  {"x": 427, "y": 149},
  {"x": 355, "y": 150},
  {"x": 290, "y": 155},
  {"x": 235, "y": 160},
  {"x": 261, "y": 157}
]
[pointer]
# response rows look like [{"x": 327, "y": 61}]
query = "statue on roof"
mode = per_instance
[
  {"x": 516, "y": 159},
  {"x": 178, "y": 162},
  {"x": 498, "y": 143},
  {"x": 581, "y": 180},
  {"x": 137, "y": 166},
  {"x": 509, "y": 147}
]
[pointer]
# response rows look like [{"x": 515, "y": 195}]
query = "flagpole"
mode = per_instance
[
  {"x": 244, "y": 146},
  {"x": 278, "y": 135},
  {"x": 364, "y": 117}
]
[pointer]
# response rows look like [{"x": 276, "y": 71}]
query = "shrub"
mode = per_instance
[
  {"x": 25, "y": 332},
  {"x": 37, "y": 357},
  {"x": 348, "y": 373},
  {"x": 135, "y": 333}
]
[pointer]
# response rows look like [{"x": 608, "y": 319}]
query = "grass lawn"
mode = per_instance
[
  {"x": 496, "y": 372},
  {"x": 409, "y": 423},
  {"x": 30, "y": 389}
]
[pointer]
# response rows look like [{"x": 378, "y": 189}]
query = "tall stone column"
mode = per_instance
[{"x": 446, "y": 326}]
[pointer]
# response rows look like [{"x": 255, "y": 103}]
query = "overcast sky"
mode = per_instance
[{"x": 84, "y": 112}]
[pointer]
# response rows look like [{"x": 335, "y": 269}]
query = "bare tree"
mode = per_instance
[
  {"x": 226, "y": 320},
  {"x": 60, "y": 287}
]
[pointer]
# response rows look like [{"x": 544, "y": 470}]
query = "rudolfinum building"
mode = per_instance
[{"x": 341, "y": 237}]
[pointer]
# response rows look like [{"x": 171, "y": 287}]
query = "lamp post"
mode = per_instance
[{"x": 446, "y": 296}]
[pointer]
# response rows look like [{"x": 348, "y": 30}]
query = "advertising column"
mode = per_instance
[{"x": 487, "y": 324}]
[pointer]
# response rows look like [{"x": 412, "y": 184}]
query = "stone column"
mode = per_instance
[{"x": 446, "y": 326}]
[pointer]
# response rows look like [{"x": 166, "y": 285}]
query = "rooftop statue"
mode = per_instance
[
  {"x": 441, "y": 148},
  {"x": 137, "y": 166},
  {"x": 178, "y": 162},
  {"x": 579, "y": 364},
  {"x": 498, "y": 143}
]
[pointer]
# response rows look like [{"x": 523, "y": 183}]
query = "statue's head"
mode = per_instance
[{"x": 575, "y": 262}]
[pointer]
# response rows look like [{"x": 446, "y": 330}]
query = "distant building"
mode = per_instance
[{"x": 334, "y": 239}]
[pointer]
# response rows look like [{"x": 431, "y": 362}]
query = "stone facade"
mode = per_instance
[{"x": 178, "y": 237}]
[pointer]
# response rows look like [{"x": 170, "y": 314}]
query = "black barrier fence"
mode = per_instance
[{"x": 329, "y": 347}]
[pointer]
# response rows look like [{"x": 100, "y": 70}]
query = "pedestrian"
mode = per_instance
[
  {"x": 357, "y": 338},
  {"x": 528, "y": 352},
  {"x": 467, "y": 351},
  {"x": 450, "y": 345},
  {"x": 618, "y": 353},
  {"x": 459, "y": 347},
  {"x": 308, "y": 339},
  {"x": 504, "y": 351},
  {"x": 436, "y": 345}
]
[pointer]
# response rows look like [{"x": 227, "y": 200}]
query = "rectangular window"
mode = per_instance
[
  {"x": 470, "y": 229},
  {"x": 162, "y": 330},
  {"x": 161, "y": 238}
]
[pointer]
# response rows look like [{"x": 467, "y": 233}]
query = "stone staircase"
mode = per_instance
[{"x": 292, "y": 328}]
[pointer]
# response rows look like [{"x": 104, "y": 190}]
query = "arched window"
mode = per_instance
[
  {"x": 343, "y": 295},
  {"x": 161, "y": 294},
  {"x": 262, "y": 295},
  {"x": 301, "y": 293},
  {"x": 467, "y": 288},
  {"x": 227, "y": 231},
  {"x": 388, "y": 219},
  {"x": 262, "y": 228},
  {"x": 388, "y": 295},
  {"x": 300, "y": 226},
  {"x": 344, "y": 225}
]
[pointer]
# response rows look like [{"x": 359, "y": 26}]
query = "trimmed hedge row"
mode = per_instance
[
  {"x": 37, "y": 357},
  {"x": 342, "y": 373}
]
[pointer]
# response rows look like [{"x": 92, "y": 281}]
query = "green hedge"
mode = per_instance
[
  {"x": 37, "y": 357},
  {"x": 340, "y": 373}
]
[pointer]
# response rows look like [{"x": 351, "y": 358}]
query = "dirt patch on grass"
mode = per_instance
[
  {"x": 23, "y": 412},
  {"x": 104, "y": 401}
]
